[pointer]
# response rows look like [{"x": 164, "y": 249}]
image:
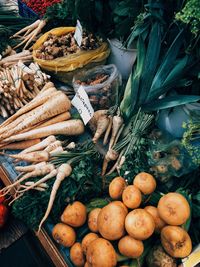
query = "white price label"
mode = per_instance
[
  {"x": 78, "y": 33},
  {"x": 82, "y": 103}
]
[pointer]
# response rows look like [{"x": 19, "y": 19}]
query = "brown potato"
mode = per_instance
[
  {"x": 92, "y": 220},
  {"x": 139, "y": 224},
  {"x": 75, "y": 214},
  {"x": 176, "y": 241},
  {"x": 116, "y": 187},
  {"x": 174, "y": 209},
  {"x": 101, "y": 253},
  {"x": 132, "y": 197},
  {"x": 159, "y": 223},
  {"x": 111, "y": 221},
  {"x": 121, "y": 204},
  {"x": 76, "y": 255},
  {"x": 64, "y": 234},
  {"x": 87, "y": 240},
  {"x": 145, "y": 182},
  {"x": 130, "y": 247}
]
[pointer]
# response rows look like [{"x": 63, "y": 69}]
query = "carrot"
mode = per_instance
[
  {"x": 70, "y": 127},
  {"x": 32, "y": 26},
  {"x": 43, "y": 112},
  {"x": 30, "y": 168},
  {"x": 63, "y": 171},
  {"x": 61, "y": 117},
  {"x": 110, "y": 155},
  {"x": 21, "y": 145},
  {"x": 105, "y": 140},
  {"x": 37, "y": 156},
  {"x": 117, "y": 123},
  {"x": 39, "y": 171},
  {"x": 40, "y": 146}
]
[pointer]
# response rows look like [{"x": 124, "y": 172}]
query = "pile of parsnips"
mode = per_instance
[
  {"x": 47, "y": 114},
  {"x": 19, "y": 85}
]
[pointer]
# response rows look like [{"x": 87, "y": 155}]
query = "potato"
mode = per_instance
[
  {"x": 87, "y": 240},
  {"x": 176, "y": 241},
  {"x": 76, "y": 255},
  {"x": 64, "y": 234},
  {"x": 145, "y": 182},
  {"x": 130, "y": 247},
  {"x": 121, "y": 204},
  {"x": 174, "y": 209},
  {"x": 110, "y": 221},
  {"x": 132, "y": 197},
  {"x": 101, "y": 253},
  {"x": 139, "y": 224},
  {"x": 116, "y": 187},
  {"x": 159, "y": 223},
  {"x": 75, "y": 214},
  {"x": 92, "y": 220}
]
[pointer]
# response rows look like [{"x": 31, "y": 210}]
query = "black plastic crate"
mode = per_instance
[{"x": 26, "y": 12}]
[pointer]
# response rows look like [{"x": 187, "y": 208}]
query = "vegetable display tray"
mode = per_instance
[{"x": 25, "y": 11}]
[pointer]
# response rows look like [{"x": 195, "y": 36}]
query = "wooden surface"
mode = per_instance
[{"x": 8, "y": 175}]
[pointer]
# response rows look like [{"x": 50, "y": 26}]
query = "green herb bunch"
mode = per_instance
[{"x": 190, "y": 15}]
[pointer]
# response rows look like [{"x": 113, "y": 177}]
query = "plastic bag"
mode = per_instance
[
  {"x": 167, "y": 157},
  {"x": 104, "y": 93},
  {"x": 62, "y": 65}
]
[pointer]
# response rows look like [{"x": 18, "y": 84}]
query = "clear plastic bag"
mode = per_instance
[
  {"x": 103, "y": 90},
  {"x": 167, "y": 157}
]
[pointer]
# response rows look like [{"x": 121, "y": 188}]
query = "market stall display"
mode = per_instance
[{"x": 116, "y": 191}]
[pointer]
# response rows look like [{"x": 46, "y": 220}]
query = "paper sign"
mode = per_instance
[
  {"x": 78, "y": 33},
  {"x": 82, "y": 103},
  {"x": 193, "y": 259}
]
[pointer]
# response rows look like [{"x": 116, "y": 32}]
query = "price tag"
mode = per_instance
[
  {"x": 193, "y": 259},
  {"x": 78, "y": 33},
  {"x": 82, "y": 103}
]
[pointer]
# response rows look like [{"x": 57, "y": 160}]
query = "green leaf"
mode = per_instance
[
  {"x": 168, "y": 62},
  {"x": 170, "y": 101},
  {"x": 175, "y": 74},
  {"x": 151, "y": 61}
]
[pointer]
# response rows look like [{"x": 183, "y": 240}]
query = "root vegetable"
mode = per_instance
[
  {"x": 139, "y": 224},
  {"x": 132, "y": 197},
  {"x": 43, "y": 144},
  {"x": 92, "y": 220},
  {"x": 87, "y": 240},
  {"x": 56, "y": 151},
  {"x": 159, "y": 223},
  {"x": 75, "y": 214},
  {"x": 37, "y": 156},
  {"x": 111, "y": 221},
  {"x": 176, "y": 241},
  {"x": 63, "y": 171},
  {"x": 117, "y": 123},
  {"x": 71, "y": 127},
  {"x": 105, "y": 140},
  {"x": 30, "y": 168},
  {"x": 121, "y": 204},
  {"x": 111, "y": 155},
  {"x": 130, "y": 247},
  {"x": 64, "y": 234},
  {"x": 76, "y": 255},
  {"x": 116, "y": 187},
  {"x": 145, "y": 182},
  {"x": 174, "y": 209},
  {"x": 61, "y": 117},
  {"x": 101, "y": 254},
  {"x": 53, "y": 146},
  {"x": 21, "y": 145}
]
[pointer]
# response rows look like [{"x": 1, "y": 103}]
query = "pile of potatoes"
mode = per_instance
[{"x": 122, "y": 225}]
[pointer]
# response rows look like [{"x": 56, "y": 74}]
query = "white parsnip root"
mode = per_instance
[{"x": 63, "y": 171}]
